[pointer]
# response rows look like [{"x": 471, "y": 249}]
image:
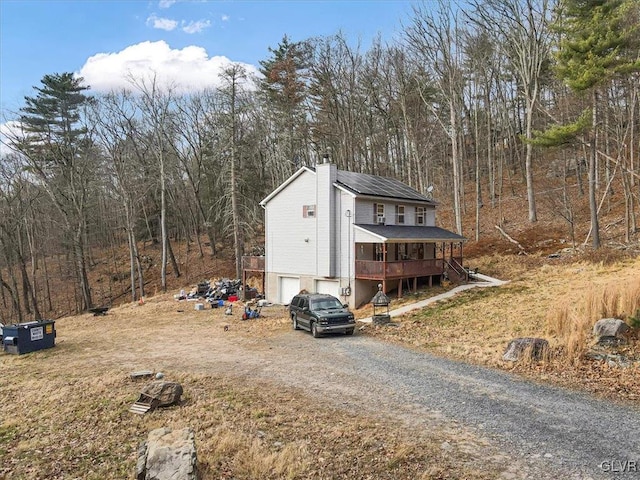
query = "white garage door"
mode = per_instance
[
  {"x": 289, "y": 286},
  {"x": 328, "y": 286}
]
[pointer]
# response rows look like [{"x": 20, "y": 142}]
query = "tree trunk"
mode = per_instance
[
  {"x": 531, "y": 196},
  {"x": 81, "y": 270},
  {"x": 163, "y": 224},
  {"x": 172, "y": 257},
  {"x": 456, "y": 165},
  {"x": 593, "y": 205}
]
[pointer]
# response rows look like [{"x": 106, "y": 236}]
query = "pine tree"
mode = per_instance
[
  {"x": 597, "y": 43},
  {"x": 285, "y": 87},
  {"x": 59, "y": 153}
]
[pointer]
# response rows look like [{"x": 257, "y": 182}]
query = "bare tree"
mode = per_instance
[
  {"x": 119, "y": 135},
  {"x": 156, "y": 106},
  {"x": 521, "y": 27},
  {"x": 234, "y": 103},
  {"x": 434, "y": 38}
]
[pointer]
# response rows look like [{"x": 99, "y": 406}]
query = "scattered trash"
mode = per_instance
[
  {"x": 229, "y": 310},
  {"x": 224, "y": 289},
  {"x": 215, "y": 303},
  {"x": 251, "y": 313}
]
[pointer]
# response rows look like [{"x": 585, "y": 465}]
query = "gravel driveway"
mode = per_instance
[
  {"x": 490, "y": 416},
  {"x": 542, "y": 431}
]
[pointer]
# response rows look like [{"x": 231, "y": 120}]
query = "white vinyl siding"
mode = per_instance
[
  {"x": 431, "y": 217},
  {"x": 367, "y": 213},
  {"x": 291, "y": 240}
]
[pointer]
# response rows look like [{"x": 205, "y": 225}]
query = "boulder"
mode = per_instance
[
  {"x": 609, "y": 327},
  {"x": 168, "y": 455},
  {"x": 160, "y": 393},
  {"x": 519, "y": 346}
]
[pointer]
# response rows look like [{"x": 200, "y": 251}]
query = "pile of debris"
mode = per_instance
[{"x": 220, "y": 290}]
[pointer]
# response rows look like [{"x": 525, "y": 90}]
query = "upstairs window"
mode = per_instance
[
  {"x": 421, "y": 215},
  {"x": 378, "y": 213},
  {"x": 308, "y": 211},
  {"x": 399, "y": 214}
]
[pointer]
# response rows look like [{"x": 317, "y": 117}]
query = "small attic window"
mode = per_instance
[{"x": 308, "y": 211}]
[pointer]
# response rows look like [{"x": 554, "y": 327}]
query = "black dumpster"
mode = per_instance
[{"x": 28, "y": 337}]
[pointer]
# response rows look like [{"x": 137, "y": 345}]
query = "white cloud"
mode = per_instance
[
  {"x": 188, "y": 69},
  {"x": 195, "y": 27},
  {"x": 166, "y": 3},
  {"x": 11, "y": 130},
  {"x": 161, "y": 23},
  {"x": 225, "y": 18}
]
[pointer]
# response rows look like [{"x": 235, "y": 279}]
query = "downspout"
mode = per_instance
[{"x": 348, "y": 215}]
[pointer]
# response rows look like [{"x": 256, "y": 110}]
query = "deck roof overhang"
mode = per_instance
[{"x": 403, "y": 233}]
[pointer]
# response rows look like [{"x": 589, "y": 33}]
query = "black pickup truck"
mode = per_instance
[{"x": 319, "y": 313}]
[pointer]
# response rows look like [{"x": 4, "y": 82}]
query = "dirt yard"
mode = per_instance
[{"x": 65, "y": 410}]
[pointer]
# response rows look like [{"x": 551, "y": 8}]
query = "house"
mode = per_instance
[{"x": 344, "y": 233}]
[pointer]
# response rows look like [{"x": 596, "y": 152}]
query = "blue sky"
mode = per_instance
[{"x": 102, "y": 40}]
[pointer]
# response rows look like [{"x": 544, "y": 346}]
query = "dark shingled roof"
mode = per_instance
[
  {"x": 364, "y": 184},
  {"x": 408, "y": 232}
]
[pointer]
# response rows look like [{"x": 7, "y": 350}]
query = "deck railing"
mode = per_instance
[{"x": 374, "y": 270}]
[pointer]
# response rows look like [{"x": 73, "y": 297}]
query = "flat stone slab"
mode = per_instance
[{"x": 168, "y": 455}]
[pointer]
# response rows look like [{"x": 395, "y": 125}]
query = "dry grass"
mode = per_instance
[{"x": 571, "y": 322}]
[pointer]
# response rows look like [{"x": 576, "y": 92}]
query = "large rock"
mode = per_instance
[
  {"x": 610, "y": 327},
  {"x": 168, "y": 455},
  {"x": 160, "y": 393},
  {"x": 536, "y": 348}
]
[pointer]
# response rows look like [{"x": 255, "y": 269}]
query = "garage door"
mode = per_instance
[
  {"x": 328, "y": 286},
  {"x": 289, "y": 286}
]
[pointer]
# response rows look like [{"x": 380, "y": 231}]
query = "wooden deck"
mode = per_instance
[{"x": 373, "y": 270}]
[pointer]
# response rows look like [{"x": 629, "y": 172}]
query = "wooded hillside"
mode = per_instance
[{"x": 518, "y": 112}]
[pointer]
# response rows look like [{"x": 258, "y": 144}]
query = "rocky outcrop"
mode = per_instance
[{"x": 168, "y": 455}]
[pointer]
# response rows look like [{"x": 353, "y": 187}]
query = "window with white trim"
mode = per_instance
[
  {"x": 421, "y": 215},
  {"x": 378, "y": 213},
  {"x": 399, "y": 214},
  {"x": 308, "y": 211}
]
